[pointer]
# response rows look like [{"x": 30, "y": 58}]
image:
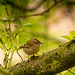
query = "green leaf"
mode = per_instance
[
  {"x": 0, "y": 12},
  {"x": 10, "y": 17},
  {"x": 4, "y": 39},
  {"x": 16, "y": 26},
  {"x": 15, "y": 48},
  {"x": 2, "y": 27},
  {"x": 66, "y": 37},
  {"x": 27, "y": 57},
  {"x": 23, "y": 37},
  {"x": 9, "y": 45},
  {"x": 27, "y": 25},
  {"x": 17, "y": 21},
  {"x": 1, "y": 47},
  {"x": 72, "y": 34},
  {"x": 4, "y": 23},
  {"x": 10, "y": 50}
]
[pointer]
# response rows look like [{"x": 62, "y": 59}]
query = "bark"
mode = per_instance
[{"x": 50, "y": 63}]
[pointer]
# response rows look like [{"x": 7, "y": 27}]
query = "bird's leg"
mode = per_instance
[
  {"x": 33, "y": 56},
  {"x": 29, "y": 59},
  {"x": 37, "y": 54}
]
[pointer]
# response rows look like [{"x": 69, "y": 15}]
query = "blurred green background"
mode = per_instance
[{"x": 48, "y": 28}]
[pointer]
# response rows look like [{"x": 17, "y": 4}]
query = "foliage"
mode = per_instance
[
  {"x": 11, "y": 41},
  {"x": 14, "y": 34},
  {"x": 71, "y": 35}
]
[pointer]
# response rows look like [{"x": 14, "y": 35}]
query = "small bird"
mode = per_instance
[{"x": 31, "y": 47}]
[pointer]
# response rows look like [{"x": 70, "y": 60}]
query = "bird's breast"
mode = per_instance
[{"x": 31, "y": 50}]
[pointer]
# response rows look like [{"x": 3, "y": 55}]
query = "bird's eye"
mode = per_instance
[
  {"x": 24, "y": 44},
  {"x": 36, "y": 42}
]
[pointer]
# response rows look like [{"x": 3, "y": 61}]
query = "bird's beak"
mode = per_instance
[
  {"x": 21, "y": 47},
  {"x": 41, "y": 43}
]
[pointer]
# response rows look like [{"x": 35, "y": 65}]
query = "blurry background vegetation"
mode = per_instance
[{"x": 48, "y": 27}]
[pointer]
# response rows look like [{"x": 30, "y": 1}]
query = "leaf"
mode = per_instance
[
  {"x": 10, "y": 17},
  {"x": 4, "y": 39},
  {"x": 66, "y": 37},
  {"x": 16, "y": 26},
  {"x": 9, "y": 45},
  {"x": 23, "y": 37},
  {"x": 72, "y": 34},
  {"x": 4, "y": 23},
  {"x": 1, "y": 47},
  {"x": 27, "y": 57},
  {"x": 17, "y": 21},
  {"x": 10, "y": 51},
  {"x": 15, "y": 48},
  {"x": 27, "y": 25},
  {"x": 2, "y": 27},
  {"x": 0, "y": 12}
]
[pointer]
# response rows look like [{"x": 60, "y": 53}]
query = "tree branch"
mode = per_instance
[
  {"x": 55, "y": 1},
  {"x": 71, "y": 72},
  {"x": 5, "y": 4},
  {"x": 26, "y": 9},
  {"x": 50, "y": 63},
  {"x": 38, "y": 14},
  {"x": 42, "y": 13},
  {"x": 7, "y": 14}
]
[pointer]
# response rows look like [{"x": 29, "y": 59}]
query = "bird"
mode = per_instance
[{"x": 31, "y": 47}]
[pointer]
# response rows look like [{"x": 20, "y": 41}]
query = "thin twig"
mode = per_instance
[
  {"x": 5, "y": 4},
  {"x": 38, "y": 14},
  {"x": 2, "y": 3},
  {"x": 55, "y": 1},
  {"x": 6, "y": 54},
  {"x": 19, "y": 55},
  {"x": 71, "y": 72},
  {"x": 7, "y": 14},
  {"x": 15, "y": 35},
  {"x": 26, "y": 9}
]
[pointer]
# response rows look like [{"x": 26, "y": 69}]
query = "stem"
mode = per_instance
[
  {"x": 9, "y": 63},
  {"x": 71, "y": 72},
  {"x": 5, "y": 53},
  {"x": 5, "y": 72},
  {"x": 17, "y": 47},
  {"x": 7, "y": 15}
]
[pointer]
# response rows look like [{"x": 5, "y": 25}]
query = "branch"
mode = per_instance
[
  {"x": 50, "y": 63},
  {"x": 7, "y": 14},
  {"x": 26, "y": 9},
  {"x": 71, "y": 72},
  {"x": 55, "y": 1},
  {"x": 5, "y": 4},
  {"x": 38, "y": 14}
]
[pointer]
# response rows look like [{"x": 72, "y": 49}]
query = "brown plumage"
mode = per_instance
[{"x": 31, "y": 47}]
